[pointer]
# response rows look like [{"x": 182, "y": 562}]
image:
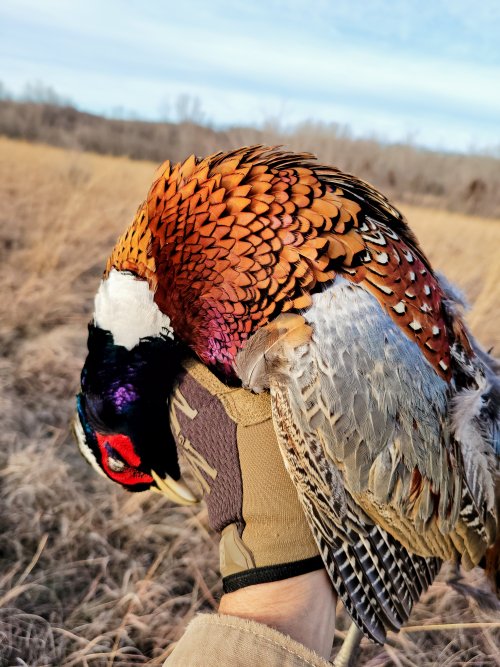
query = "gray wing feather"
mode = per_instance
[{"x": 367, "y": 433}]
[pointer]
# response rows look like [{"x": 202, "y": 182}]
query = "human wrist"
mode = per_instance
[{"x": 301, "y": 607}]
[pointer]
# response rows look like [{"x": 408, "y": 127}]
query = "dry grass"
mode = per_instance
[{"x": 91, "y": 576}]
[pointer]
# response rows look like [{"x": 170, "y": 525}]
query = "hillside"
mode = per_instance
[{"x": 89, "y": 575}]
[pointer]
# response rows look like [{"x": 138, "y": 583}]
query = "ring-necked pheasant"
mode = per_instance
[{"x": 291, "y": 276}]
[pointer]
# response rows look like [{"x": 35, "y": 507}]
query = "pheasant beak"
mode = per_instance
[{"x": 178, "y": 491}]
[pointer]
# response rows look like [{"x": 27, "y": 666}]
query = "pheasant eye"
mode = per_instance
[
  {"x": 120, "y": 462},
  {"x": 118, "y": 451},
  {"x": 116, "y": 465}
]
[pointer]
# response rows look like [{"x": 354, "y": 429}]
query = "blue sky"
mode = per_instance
[{"x": 428, "y": 71}]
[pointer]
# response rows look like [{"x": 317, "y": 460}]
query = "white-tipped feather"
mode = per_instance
[{"x": 85, "y": 450}]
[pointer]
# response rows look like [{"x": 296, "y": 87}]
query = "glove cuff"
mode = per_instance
[{"x": 263, "y": 575}]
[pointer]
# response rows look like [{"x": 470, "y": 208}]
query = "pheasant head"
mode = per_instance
[{"x": 121, "y": 423}]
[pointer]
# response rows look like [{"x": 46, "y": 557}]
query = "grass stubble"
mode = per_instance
[{"x": 93, "y": 576}]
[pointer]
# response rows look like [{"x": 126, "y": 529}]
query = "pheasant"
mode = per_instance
[{"x": 292, "y": 277}]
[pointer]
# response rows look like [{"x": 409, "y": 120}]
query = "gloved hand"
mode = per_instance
[{"x": 225, "y": 435}]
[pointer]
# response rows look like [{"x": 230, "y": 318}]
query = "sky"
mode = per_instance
[{"x": 424, "y": 71}]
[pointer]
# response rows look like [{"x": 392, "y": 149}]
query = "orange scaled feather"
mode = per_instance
[{"x": 229, "y": 241}]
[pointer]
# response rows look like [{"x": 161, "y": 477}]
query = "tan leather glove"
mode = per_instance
[{"x": 226, "y": 437}]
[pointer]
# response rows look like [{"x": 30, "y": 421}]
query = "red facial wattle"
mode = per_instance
[{"x": 122, "y": 445}]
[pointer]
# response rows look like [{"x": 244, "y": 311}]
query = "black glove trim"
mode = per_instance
[{"x": 262, "y": 575}]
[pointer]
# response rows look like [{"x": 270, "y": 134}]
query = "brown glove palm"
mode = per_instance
[{"x": 226, "y": 437}]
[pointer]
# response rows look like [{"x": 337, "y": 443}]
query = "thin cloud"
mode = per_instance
[{"x": 392, "y": 69}]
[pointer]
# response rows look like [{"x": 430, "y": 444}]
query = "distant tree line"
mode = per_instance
[{"x": 406, "y": 173}]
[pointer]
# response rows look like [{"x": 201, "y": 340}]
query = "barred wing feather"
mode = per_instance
[{"x": 365, "y": 430}]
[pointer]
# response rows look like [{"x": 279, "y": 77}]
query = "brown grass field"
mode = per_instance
[{"x": 92, "y": 576}]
